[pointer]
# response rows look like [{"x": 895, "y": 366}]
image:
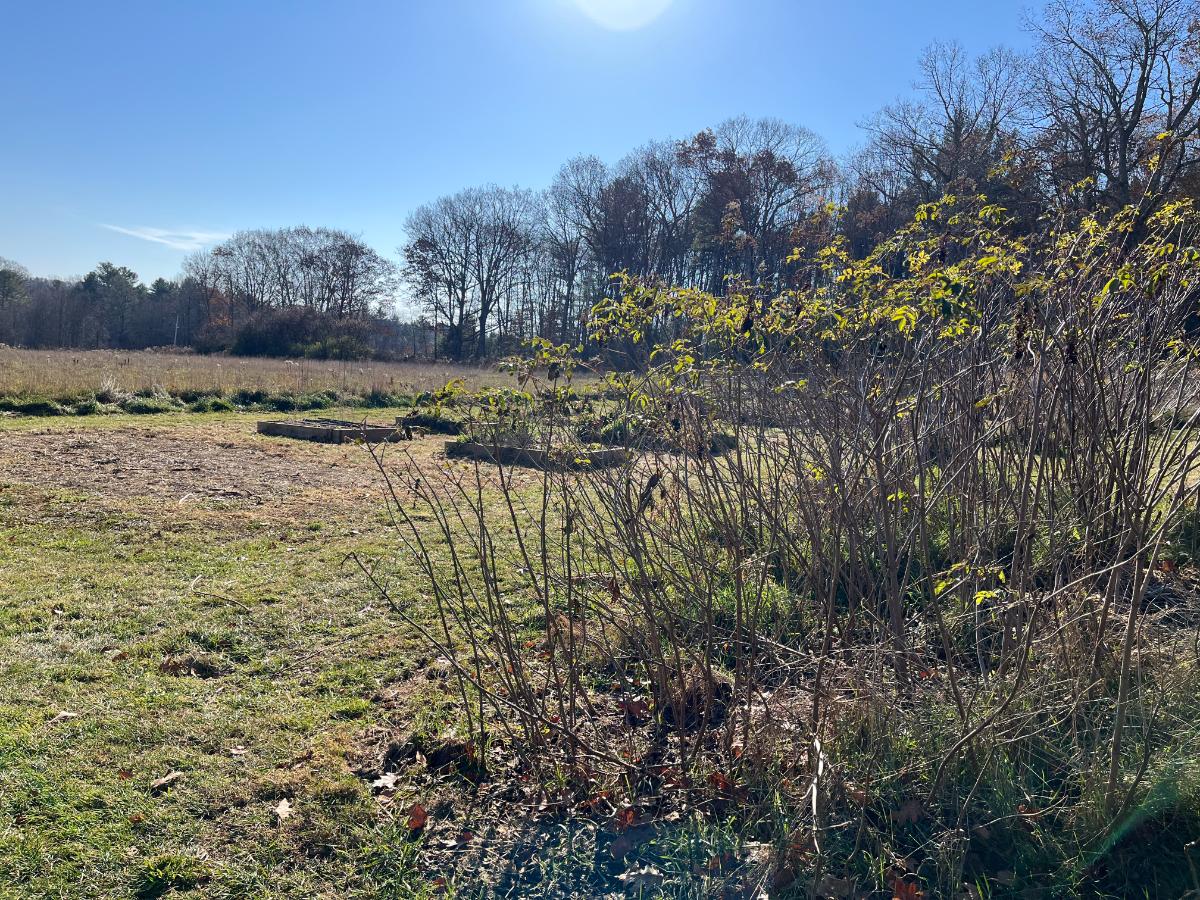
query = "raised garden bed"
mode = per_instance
[
  {"x": 332, "y": 431},
  {"x": 720, "y": 442},
  {"x": 539, "y": 459}
]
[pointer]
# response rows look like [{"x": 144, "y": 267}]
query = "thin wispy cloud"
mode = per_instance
[{"x": 178, "y": 240}]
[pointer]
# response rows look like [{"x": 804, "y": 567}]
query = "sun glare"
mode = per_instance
[{"x": 623, "y": 15}]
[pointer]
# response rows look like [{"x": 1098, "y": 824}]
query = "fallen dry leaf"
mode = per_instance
[
  {"x": 719, "y": 863},
  {"x": 857, "y": 795},
  {"x": 909, "y": 814},
  {"x": 642, "y": 881},
  {"x": 720, "y": 782},
  {"x": 161, "y": 784},
  {"x": 636, "y": 710},
  {"x": 189, "y": 664},
  {"x": 64, "y": 716},
  {"x": 386, "y": 781},
  {"x": 417, "y": 817},
  {"x": 625, "y": 818},
  {"x": 903, "y": 890},
  {"x": 283, "y": 809}
]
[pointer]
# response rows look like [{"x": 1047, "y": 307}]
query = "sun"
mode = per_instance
[{"x": 623, "y": 15}]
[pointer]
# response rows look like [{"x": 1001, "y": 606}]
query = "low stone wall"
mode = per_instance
[{"x": 332, "y": 431}]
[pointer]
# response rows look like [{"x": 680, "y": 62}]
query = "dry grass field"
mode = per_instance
[{"x": 59, "y": 373}]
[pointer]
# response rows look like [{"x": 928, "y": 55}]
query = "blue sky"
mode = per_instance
[{"x": 133, "y": 130}]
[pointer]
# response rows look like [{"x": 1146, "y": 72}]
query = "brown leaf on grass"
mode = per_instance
[
  {"x": 124, "y": 774},
  {"x": 636, "y": 709},
  {"x": 720, "y": 782},
  {"x": 857, "y": 795},
  {"x": 720, "y": 863},
  {"x": 672, "y": 778},
  {"x": 63, "y": 717},
  {"x": 625, "y": 818},
  {"x": 909, "y": 814},
  {"x": 189, "y": 664},
  {"x": 905, "y": 890},
  {"x": 597, "y": 801},
  {"x": 417, "y": 817},
  {"x": 726, "y": 789},
  {"x": 283, "y": 809},
  {"x": 161, "y": 784},
  {"x": 794, "y": 859}
]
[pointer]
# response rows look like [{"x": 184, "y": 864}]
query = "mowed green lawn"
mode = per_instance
[{"x": 189, "y": 665}]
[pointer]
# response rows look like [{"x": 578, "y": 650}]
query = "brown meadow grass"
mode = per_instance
[{"x": 54, "y": 373}]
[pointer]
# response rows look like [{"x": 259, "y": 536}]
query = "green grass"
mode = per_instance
[
  {"x": 97, "y": 593},
  {"x": 103, "y": 593},
  {"x": 42, "y": 406}
]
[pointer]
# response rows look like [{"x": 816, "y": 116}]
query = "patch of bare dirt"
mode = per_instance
[{"x": 189, "y": 465}]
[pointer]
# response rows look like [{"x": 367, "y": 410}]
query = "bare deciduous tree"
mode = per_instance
[
  {"x": 952, "y": 135},
  {"x": 1116, "y": 85}
]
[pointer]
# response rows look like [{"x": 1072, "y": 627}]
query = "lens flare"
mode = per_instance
[{"x": 623, "y": 15}]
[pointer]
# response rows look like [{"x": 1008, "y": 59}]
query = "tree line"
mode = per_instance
[
  {"x": 1100, "y": 114},
  {"x": 289, "y": 291}
]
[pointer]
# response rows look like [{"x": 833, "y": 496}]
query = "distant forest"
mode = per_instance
[{"x": 1100, "y": 114}]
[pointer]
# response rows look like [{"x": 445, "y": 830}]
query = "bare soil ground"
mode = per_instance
[
  {"x": 151, "y": 462},
  {"x": 196, "y": 463}
]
